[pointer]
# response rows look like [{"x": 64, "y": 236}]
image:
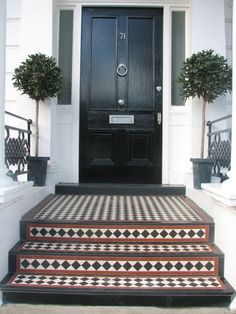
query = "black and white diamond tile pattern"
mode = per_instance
[
  {"x": 121, "y": 233},
  {"x": 120, "y": 265},
  {"x": 116, "y": 247},
  {"x": 117, "y": 208},
  {"x": 105, "y": 282}
]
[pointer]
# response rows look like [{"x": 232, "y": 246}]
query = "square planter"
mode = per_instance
[
  {"x": 202, "y": 170},
  {"x": 37, "y": 170}
]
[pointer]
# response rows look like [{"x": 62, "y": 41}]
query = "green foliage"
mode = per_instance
[
  {"x": 39, "y": 77},
  {"x": 205, "y": 74}
]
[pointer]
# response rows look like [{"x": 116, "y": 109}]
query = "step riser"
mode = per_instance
[
  {"x": 117, "y": 233},
  {"x": 118, "y": 298},
  {"x": 123, "y": 189},
  {"x": 108, "y": 265},
  {"x": 147, "y": 249}
]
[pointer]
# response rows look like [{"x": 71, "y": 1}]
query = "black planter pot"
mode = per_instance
[
  {"x": 202, "y": 169},
  {"x": 37, "y": 170}
]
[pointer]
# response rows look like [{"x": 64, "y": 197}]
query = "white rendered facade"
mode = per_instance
[{"x": 32, "y": 26}]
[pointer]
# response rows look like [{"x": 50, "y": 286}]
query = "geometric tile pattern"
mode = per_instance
[
  {"x": 121, "y": 265},
  {"x": 116, "y": 247},
  {"x": 118, "y": 208},
  {"x": 118, "y": 233},
  {"x": 105, "y": 282}
]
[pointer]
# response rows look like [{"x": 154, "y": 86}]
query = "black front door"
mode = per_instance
[{"x": 121, "y": 96}]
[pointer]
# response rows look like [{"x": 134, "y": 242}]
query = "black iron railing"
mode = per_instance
[
  {"x": 17, "y": 146},
  {"x": 219, "y": 146}
]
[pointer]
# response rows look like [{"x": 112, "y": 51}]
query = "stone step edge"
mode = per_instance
[{"x": 103, "y": 188}]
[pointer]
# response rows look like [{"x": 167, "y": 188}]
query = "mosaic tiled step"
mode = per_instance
[
  {"x": 104, "y": 246},
  {"x": 117, "y": 265},
  {"x": 132, "y": 248},
  {"x": 118, "y": 208},
  {"x": 129, "y": 284},
  {"x": 117, "y": 233},
  {"x": 117, "y": 290}
]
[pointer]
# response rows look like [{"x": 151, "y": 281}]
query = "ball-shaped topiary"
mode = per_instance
[
  {"x": 205, "y": 75},
  {"x": 40, "y": 78}
]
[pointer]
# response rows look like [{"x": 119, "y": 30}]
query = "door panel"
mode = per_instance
[
  {"x": 116, "y": 41},
  {"x": 103, "y": 63},
  {"x": 102, "y": 146},
  {"x": 140, "y": 145},
  {"x": 141, "y": 64}
]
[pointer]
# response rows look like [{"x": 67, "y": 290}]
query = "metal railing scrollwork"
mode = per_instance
[
  {"x": 17, "y": 146},
  {"x": 219, "y": 146}
]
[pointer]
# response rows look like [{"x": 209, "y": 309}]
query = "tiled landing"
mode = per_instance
[{"x": 118, "y": 208}]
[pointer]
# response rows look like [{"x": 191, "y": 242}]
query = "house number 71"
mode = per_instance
[{"x": 122, "y": 35}]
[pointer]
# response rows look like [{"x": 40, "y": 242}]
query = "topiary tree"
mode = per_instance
[
  {"x": 40, "y": 78},
  {"x": 205, "y": 75}
]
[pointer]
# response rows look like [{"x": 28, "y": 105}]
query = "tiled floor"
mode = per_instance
[{"x": 118, "y": 208}]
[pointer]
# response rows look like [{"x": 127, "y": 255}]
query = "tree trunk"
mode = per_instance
[
  {"x": 203, "y": 127},
  {"x": 37, "y": 129}
]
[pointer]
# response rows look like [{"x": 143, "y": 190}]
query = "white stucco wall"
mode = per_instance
[
  {"x": 29, "y": 30},
  {"x": 208, "y": 32},
  {"x": 225, "y": 231},
  {"x": 10, "y": 214},
  {"x": 228, "y": 29},
  {"x": 37, "y": 16},
  {"x": 13, "y": 27}
]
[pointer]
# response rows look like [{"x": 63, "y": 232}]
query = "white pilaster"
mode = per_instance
[
  {"x": 37, "y": 36},
  {"x": 230, "y": 185},
  {"x": 53, "y": 169},
  {"x": 9, "y": 190},
  {"x": 226, "y": 191},
  {"x": 4, "y": 179}
]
